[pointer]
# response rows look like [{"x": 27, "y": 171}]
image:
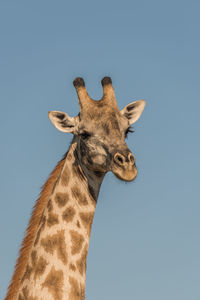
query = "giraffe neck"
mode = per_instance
[{"x": 56, "y": 266}]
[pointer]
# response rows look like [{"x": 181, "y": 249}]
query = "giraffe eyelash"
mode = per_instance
[{"x": 129, "y": 129}]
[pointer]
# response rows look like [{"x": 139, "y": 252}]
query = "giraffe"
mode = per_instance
[{"x": 52, "y": 260}]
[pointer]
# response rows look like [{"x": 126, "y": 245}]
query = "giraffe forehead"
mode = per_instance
[
  {"x": 98, "y": 111},
  {"x": 107, "y": 119}
]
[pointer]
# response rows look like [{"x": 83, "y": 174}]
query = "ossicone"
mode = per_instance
[
  {"x": 106, "y": 80},
  {"x": 78, "y": 82},
  {"x": 108, "y": 91}
]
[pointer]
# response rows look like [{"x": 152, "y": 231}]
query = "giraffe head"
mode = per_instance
[{"x": 100, "y": 130}]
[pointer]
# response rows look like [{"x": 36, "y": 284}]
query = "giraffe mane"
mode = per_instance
[{"x": 32, "y": 229}]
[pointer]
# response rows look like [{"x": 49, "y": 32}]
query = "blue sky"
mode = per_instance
[{"x": 145, "y": 241}]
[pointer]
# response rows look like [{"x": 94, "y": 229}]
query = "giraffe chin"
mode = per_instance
[{"x": 125, "y": 175}]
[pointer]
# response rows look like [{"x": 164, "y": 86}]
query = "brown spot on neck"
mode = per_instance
[
  {"x": 33, "y": 257},
  {"x": 72, "y": 267},
  {"x": 68, "y": 214},
  {"x": 87, "y": 219},
  {"x": 56, "y": 242},
  {"x": 27, "y": 273},
  {"x": 54, "y": 283},
  {"x": 52, "y": 219},
  {"x": 40, "y": 267},
  {"x": 61, "y": 199},
  {"x": 80, "y": 197},
  {"x": 49, "y": 205},
  {"x": 77, "y": 242},
  {"x": 81, "y": 263},
  {"x": 78, "y": 224}
]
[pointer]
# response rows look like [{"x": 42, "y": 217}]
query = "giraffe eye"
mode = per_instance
[{"x": 85, "y": 134}]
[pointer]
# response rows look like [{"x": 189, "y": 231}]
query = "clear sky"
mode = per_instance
[{"x": 145, "y": 241}]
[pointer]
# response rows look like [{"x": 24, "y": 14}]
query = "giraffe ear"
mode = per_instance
[
  {"x": 62, "y": 121},
  {"x": 133, "y": 110}
]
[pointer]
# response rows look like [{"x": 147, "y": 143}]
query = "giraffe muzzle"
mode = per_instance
[{"x": 124, "y": 166}]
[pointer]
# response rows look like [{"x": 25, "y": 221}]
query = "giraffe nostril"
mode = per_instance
[
  {"x": 119, "y": 159},
  {"x": 131, "y": 158}
]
